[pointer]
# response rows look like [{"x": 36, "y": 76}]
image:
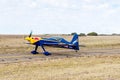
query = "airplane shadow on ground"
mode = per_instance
[{"x": 65, "y": 54}]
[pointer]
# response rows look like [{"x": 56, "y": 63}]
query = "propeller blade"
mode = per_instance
[{"x": 30, "y": 34}]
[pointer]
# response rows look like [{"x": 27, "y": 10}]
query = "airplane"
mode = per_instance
[{"x": 53, "y": 42}]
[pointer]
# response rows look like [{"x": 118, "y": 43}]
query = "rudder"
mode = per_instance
[{"x": 75, "y": 42}]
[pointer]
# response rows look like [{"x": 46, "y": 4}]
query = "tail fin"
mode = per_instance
[{"x": 75, "y": 42}]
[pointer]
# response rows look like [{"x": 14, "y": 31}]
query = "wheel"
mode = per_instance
[
  {"x": 47, "y": 53},
  {"x": 34, "y": 52}
]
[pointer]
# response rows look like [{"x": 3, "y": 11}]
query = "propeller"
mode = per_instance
[
  {"x": 28, "y": 38},
  {"x": 30, "y": 34}
]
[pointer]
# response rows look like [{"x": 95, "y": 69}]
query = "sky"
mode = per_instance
[{"x": 59, "y": 16}]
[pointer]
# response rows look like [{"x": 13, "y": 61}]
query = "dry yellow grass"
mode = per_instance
[
  {"x": 84, "y": 68},
  {"x": 13, "y": 44},
  {"x": 100, "y": 41}
]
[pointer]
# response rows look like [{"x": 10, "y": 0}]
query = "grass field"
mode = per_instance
[
  {"x": 101, "y": 41},
  {"x": 96, "y": 67},
  {"x": 83, "y": 68}
]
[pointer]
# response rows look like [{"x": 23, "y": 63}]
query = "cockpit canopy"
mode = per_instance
[{"x": 57, "y": 39}]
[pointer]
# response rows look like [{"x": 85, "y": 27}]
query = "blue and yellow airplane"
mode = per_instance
[{"x": 54, "y": 42}]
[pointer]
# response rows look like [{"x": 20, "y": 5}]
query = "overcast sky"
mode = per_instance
[{"x": 59, "y": 16}]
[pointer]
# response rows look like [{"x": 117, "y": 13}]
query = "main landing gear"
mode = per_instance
[{"x": 45, "y": 52}]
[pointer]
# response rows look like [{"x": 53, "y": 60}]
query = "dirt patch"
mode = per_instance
[{"x": 18, "y": 57}]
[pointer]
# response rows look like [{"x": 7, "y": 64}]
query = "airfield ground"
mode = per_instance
[{"x": 98, "y": 59}]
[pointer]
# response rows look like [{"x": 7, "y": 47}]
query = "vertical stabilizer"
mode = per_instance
[{"x": 75, "y": 42}]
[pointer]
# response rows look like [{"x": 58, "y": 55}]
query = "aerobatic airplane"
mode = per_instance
[{"x": 54, "y": 42}]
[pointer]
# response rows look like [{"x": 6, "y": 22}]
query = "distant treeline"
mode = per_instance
[
  {"x": 49, "y": 35},
  {"x": 96, "y": 34}
]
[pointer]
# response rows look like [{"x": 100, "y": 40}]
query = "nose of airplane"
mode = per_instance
[{"x": 27, "y": 38}]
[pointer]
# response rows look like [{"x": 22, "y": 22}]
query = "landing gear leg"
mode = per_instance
[
  {"x": 35, "y": 51},
  {"x": 45, "y": 52}
]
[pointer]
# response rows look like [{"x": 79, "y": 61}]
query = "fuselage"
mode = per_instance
[{"x": 53, "y": 41}]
